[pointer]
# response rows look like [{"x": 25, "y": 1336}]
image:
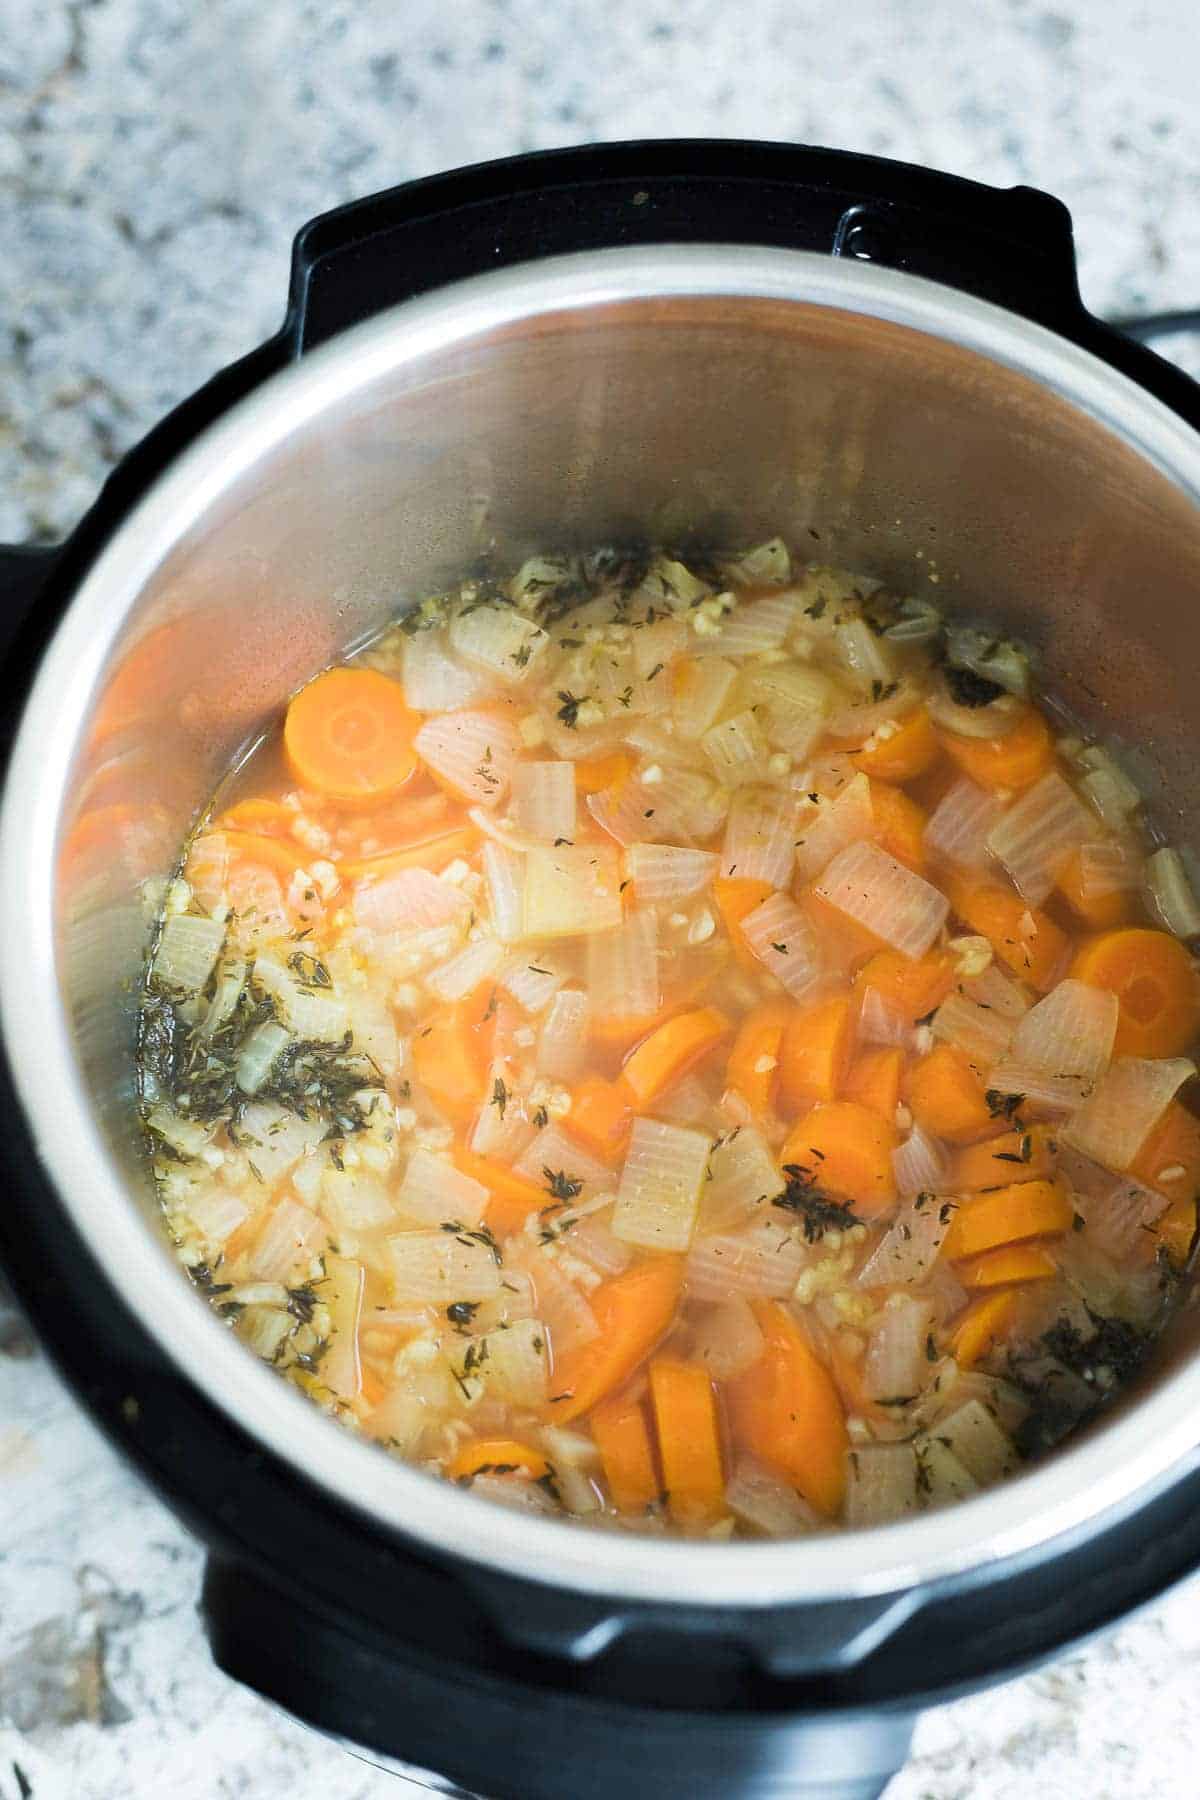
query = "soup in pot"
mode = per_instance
[{"x": 688, "y": 1046}]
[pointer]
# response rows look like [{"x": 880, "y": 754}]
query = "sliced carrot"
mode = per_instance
[
  {"x": 626, "y": 1452},
  {"x": 1100, "y": 912},
  {"x": 348, "y": 735},
  {"x": 274, "y": 853},
  {"x": 620, "y": 1032},
  {"x": 846, "y": 1149},
  {"x": 372, "y": 1391},
  {"x": 633, "y": 1310},
  {"x": 1169, "y": 1159},
  {"x": 982, "y": 1326},
  {"x": 1012, "y": 1156},
  {"x": 873, "y": 1079},
  {"x": 785, "y": 1409},
  {"x": 753, "y": 1067},
  {"x": 914, "y": 986},
  {"x": 1152, "y": 976},
  {"x": 666, "y": 1056},
  {"x": 689, "y": 1446},
  {"x": 1022, "y": 936},
  {"x": 510, "y": 1200},
  {"x": 947, "y": 1097},
  {"x": 497, "y": 1456},
  {"x": 450, "y": 1059},
  {"x": 1026, "y": 1209},
  {"x": 899, "y": 824},
  {"x": 815, "y": 1053},
  {"x": 601, "y": 1117},
  {"x": 433, "y": 854},
  {"x": 1016, "y": 760},
  {"x": 845, "y": 944},
  {"x": 1176, "y": 1230},
  {"x": 595, "y": 772},
  {"x": 735, "y": 897},
  {"x": 912, "y": 748},
  {"x": 268, "y": 818},
  {"x": 1000, "y": 1268}
]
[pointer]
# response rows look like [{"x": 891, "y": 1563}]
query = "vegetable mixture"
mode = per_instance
[{"x": 683, "y": 1046}]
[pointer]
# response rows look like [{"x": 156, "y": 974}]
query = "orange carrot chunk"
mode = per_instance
[
  {"x": 815, "y": 1053},
  {"x": 899, "y": 825},
  {"x": 596, "y": 772},
  {"x": 948, "y": 1098},
  {"x": 1027, "y": 1209},
  {"x": 999, "y": 1162},
  {"x": 785, "y": 1409},
  {"x": 689, "y": 1447},
  {"x": 633, "y": 1311},
  {"x": 1024, "y": 939},
  {"x": 433, "y": 854},
  {"x": 735, "y": 898},
  {"x": 1016, "y": 760},
  {"x": 873, "y": 1079},
  {"x": 982, "y": 1327},
  {"x": 1151, "y": 974},
  {"x": 912, "y": 748},
  {"x": 670, "y": 1052},
  {"x": 1003, "y": 1267},
  {"x": 600, "y": 1117},
  {"x": 497, "y": 1456},
  {"x": 753, "y": 1067},
  {"x": 914, "y": 986},
  {"x": 626, "y": 1453},
  {"x": 1098, "y": 911},
  {"x": 348, "y": 735},
  {"x": 450, "y": 1059},
  {"x": 510, "y": 1200},
  {"x": 846, "y": 1149}
]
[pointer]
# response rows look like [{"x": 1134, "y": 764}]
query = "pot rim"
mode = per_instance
[{"x": 1102, "y": 1477}]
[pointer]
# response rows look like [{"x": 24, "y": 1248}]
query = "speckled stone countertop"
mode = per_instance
[{"x": 155, "y": 159}]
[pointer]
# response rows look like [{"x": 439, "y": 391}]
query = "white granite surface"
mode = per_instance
[{"x": 155, "y": 158}]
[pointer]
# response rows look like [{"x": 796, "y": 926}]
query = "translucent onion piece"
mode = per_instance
[
  {"x": 187, "y": 952},
  {"x": 501, "y": 1130},
  {"x": 275, "y": 1139},
  {"x": 576, "y": 742},
  {"x": 697, "y": 803},
  {"x": 543, "y": 799},
  {"x": 700, "y": 690},
  {"x": 307, "y": 1013},
  {"x": 1057, "y": 1094},
  {"x": 504, "y": 872},
  {"x": 563, "y": 1039},
  {"x": 659, "y": 1194},
  {"x": 460, "y": 976},
  {"x": 742, "y": 1176},
  {"x": 1117, "y": 1210},
  {"x": 435, "y": 682},
  {"x": 230, "y": 982},
  {"x": 511, "y": 1360},
  {"x": 342, "y": 1292},
  {"x": 630, "y": 811},
  {"x": 666, "y": 872},
  {"x": 1070, "y": 1032},
  {"x": 691, "y": 1101},
  {"x": 353, "y": 1200},
  {"x": 216, "y": 1213},
  {"x": 871, "y": 887},
  {"x": 995, "y": 719},
  {"x": 573, "y": 891},
  {"x": 1127, "y": 1103},
  {"x": 916, "y": 622},
  {"x": 553, "y": 1152},
  {"x": 943, "y": 1478},
  {"x": 1111, "y": 866},
  {"x": 879, "y": 1022},
  {"x": 996, "y": 659},
  {"x": 959, "y": 825},
  {"x": 973, "y": 1436},
  {"x": 919, "y": 1164},
  {"x": 726, "y": 1338},
  {"x": 187, "y": 1136},
  {"x": 291, "y": 1233},
  {"x": 784, "y": 941},
  {"x": 862, "y": 652},
  {"x": 441, "y": 1267},
  {"x": 945, "y": 1291},
  {"x": 622, "y": 969},
  {"x": 862, "y": 719},
  {"x": 472, "y": 752},
  {"x": 896, "y": 1366},
  {"x": 562, "y": 1309},
  {"x": 410, "y": 900},
  {"x": 595, "y": 1243},
  {"x": 1107, "y": 786},
  {"x": 1034, "y": 837},
  {"x": 672, "y": 582},
  {"x": 516, "y": 1494},
  {"x": 259, "y": 1053},
  {"x": 766, "y": 1502},
  {"x": 655, "y": 648},
  {"x": 1171, "y": 893},
  {"x": 760, "y": 836},
  {"x": 750, "y": 629},
  {"x": 881, "y": 1484},
  {"x": 831, "y": 825},
  {"x": 737, "y": 749},
  {"x": 499, "y": 640},
  {"x": 433, "y": 1190},
  {"x": 998, "y": 991},
  {"x": 909, "y": 1248},
  {"x": 766, "y": 1260},
  {"x": 982, "y": 1034},
  {"x": 765, "y": 565},
  {"x": 533, "y": 981}
]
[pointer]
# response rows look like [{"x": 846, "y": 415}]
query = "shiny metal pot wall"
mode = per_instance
[{"x": 876, "y": 419}]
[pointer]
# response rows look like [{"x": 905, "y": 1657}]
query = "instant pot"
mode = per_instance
[{"x": 665, "y": 340}]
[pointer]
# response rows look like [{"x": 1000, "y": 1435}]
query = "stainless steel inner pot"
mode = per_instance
[{"x": 875, "y": 419}]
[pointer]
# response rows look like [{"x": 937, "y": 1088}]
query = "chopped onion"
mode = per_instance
[
  {"x": 973, "y": 1436},
  {"x": 517, "y": 1494},
  {"x": 862, "y": 718},
  {"x": 258, "y": 1054},
  {"x": 354, "y": 1200},
  {"x": 881, "y": 1484},
  {"x": 464, "y": 973},
  {"x": 562, "y": 1309},
  {"x": 186, "y": 1136},
  {"x": 1057, "y": 1094},
  {"x": 909, "y": 1248},
  {"x": 543, "y": 799},
  {"x": 862, "y": 652},
  {"x": 959, "y": 825},
  {"x": 1171, "y": 893},
  {"x": 532, "y": 981},
  {"x": 993, "y": 720},
  {"x": 554, "y": 1152},
  {"x": 433, "y": 1190},
  {"x": 700, "y": 690},
  {"x": 433, "y": 681},
  {"x": 697, "y": 803},
  {"x": 1107, "y": 786},
  {"x": 996, "y": 659},
  {"x": 742, "y": 1176},
  {"x": 983, "y": 1035},
  {"x": 1034, "y": 837},
  {"x": 797, "y": 702},
  {"x": 1127, "y": 1103},
  {"x": 871, "y": 887},
  {"x": 1070, "y": 1032},
  {"x": 342, "y": 1292},
  {"x": 942, "y": 1477},
  {"x": 737, "y": 749},
  {"x": 666, "y": 872},
  {"x": 622, "y": 968},
  {"x": 766, "y": 1260},
  {"x": 998, "y": 991},
  {"x": 499, "y": 640},
  {"x": 751, "y": 630},
  {"x": 309, "y": 1015},
  {"x": 505, "y": 875},
  {"x": 784, "y": 941},
  {"x": 275, "y": 1138},
  {"x": 216, "y": 1213},
  {"x": 896, "y": 1367},
  {"x": 502, "y": 1126},
  {"x": 760, "y": 836},
  {"x": 573, "y": 891},
  {"x": 187, "y": 952},
  {"x": 727, "y": 1338},
  {"x": 919, "y": 1165},
  {"x": 408, "y": 901},
  {"x": 879, "y": 1022},
  {"x": 946, "y": 1291},
  {"x": 442, "y": 1267},
  {"x": 831, "y": 825},
  {"x": 765, "y": 565},
  {"x": 1110, "y": 866},
  {"x": 630, "y": 811},
  {"x": 563, "y": 1039},
  {"x": 472, "y": 752},
  {"x": 766, "y": 1502},
  {"x": 1116, "y": 1209},
  {"x": 659, "y": 1194},
  {"x": 291, "y": 1232},
  {"x": 687, "y": 1102},
  {"x": 230, "y": 982},
  {"x": 656, "y": 646},
  {"x": 594, "y": 1241},
  {"x": 916, "y": 622}
]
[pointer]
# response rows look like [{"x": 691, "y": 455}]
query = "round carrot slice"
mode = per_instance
[
  {"x": 1152, "y": 976},
  {"x": 349, "y": 735}
]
